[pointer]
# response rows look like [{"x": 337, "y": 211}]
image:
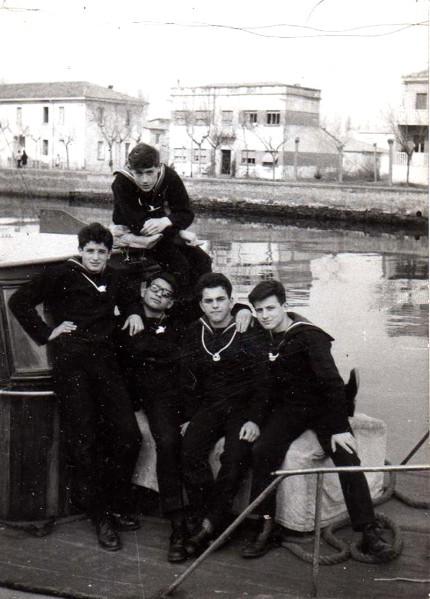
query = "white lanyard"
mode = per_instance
[
  {"x": 273, "y": 357},
  {"x": 216, "y": 356},
  {"x": 100, "y": 288}
]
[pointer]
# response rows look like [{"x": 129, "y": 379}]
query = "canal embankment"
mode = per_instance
[{"x": 317, "y": 201}]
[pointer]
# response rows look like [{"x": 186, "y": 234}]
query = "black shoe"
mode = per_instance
[
  {"x": 107, "y": 533},
  {"x": 200, "y": 540},
  {"x": 177, "y": 551},
  {"x": 125, "y": 522},
  {"x": 264, "y": 540},
  {"x": 374, "y": 544}
]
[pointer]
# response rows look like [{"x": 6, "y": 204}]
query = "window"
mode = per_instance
[
  {"x": 179, "y": 155},
  {"x": 273, "y": 118},
  {"x": 251, "y": 117},
  {"x": 180, "y": 117},
  {"x": 100, "y": 150},
  {"x": 227, "y": 117},
  {"x": 157, "y": 137},
  {"x": 61, "y": 115},
  {"x": 45, "y": 114},
  {"x": 200, "y": 156},
  {"x": 45, "y": 147},
  {"x": 270, "y": 159},
  {"x": 420, "y": 144},
  {"x": 202, "y": 117},
  {"x": 100, "y": 115},
  {"x": 421, "y": 102},
  {"x": 248, "y": 157},
  {"x": 19, "y": 116},
  {"x": 127, "y": 150}
]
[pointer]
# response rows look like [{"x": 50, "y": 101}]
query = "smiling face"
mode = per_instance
[
  {"x": 157, "y": 297},
  {"x": 146, "y": 178},
  {"x": 94, "y": 256},
  {"x": 271, "y": 314},
  {"x": 216, "y": 305}
]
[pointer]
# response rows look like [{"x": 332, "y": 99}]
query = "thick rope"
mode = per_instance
[{"x": 344, "y": 550}]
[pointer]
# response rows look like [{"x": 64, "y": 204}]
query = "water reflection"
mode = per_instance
[{"x": 367, "y": 289}]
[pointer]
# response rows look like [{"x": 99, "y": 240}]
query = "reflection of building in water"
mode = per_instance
[
  {"x": 248, "y": 263},
  {"x": 406, "y": 284}
]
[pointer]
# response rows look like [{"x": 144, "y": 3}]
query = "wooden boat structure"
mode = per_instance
[{"x": 46, "y": 549}]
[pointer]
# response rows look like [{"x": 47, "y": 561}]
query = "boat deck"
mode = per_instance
[{"x": 68, "y": 563}]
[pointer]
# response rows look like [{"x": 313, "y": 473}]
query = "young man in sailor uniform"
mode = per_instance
[
  {"x": 102, "y": 439},
  {"x": 309, "y": 394},
  {"x": 224, "y": 386},
  {"x": 150, "y": 366},
  {"x": 152, "y": 211}
]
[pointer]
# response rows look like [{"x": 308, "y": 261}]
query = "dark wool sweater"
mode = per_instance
[
  {"x": 68, "y": 295},
  {"x": 239, "y": 381},
  {"x": 133, "y": 206},
  {"x": 305, "y": 375}
]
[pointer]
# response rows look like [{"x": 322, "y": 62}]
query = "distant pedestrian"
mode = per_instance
[
  {"x": 18, "y": 159},
  {"x": 24, "y": 158}
]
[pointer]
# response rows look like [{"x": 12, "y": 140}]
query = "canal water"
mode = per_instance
[{"x": 368, "y": 289}]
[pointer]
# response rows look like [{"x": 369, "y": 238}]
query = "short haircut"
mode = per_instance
[
  {"x": 164, "y": 276},
  {"x": 97, "y": 233},
  {"x": 210, "y": 280},
  {"x": 143, "y": 156},
  {"x": 265, "y": 289}
]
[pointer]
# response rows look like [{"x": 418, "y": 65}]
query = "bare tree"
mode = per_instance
[
  {"x": 340, "y": 145},
  {"x": 67, "y": 139},
  {"x": 271, "y": 149},
  {"x": 196, "y": 135},
  {"x": 407, "y": 136},
  {"x": 117, "y": 122},
  {"x": 217, "y": 137}
]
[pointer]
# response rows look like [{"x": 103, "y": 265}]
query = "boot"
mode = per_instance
[
  {"x": 265, "y": 539},
  {"x": 200, "y": 539},
  {"x": 374, "y": 544},
  {"x": 177, "y": 551},
  {"x": 126, "y": 522},
  {"x": 107, "y": 533}
]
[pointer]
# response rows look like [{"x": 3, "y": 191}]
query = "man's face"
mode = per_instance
[
  {"x": 94, "y": 256},
  {"x": 271, "y": 314},
  {"x": 157, "y": 297},
  {"x": 216, "y": 305},
  {"x": 146, "y": 178}
]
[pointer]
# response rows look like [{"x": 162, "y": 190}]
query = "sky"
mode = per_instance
[{"x": 354, "y": 51}]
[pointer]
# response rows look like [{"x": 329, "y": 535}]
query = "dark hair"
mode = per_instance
[
  {"x": 265, "y": 289},
  {"x": 165, "y": 276},
  {"x": 210, "y": 280},
  {"x": 143, "y": 156},
  {"x": 97, "y": 233}
]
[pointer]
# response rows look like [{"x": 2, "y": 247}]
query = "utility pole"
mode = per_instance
[
  {"x": 296, "y": 152},
  {"x": 390, "y": 161},
  {"x": 375, "y": 164}
]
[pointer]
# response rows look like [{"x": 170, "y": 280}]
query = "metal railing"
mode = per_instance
[{"x": 280, "y": 475}]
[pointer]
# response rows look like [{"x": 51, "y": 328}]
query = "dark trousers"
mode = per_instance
[
  {"x": 164, "y": 421},
  {"x": 208, "y": 497},
  {"x": 101, "y": 435},
  {"x": 282, "y": 428}
]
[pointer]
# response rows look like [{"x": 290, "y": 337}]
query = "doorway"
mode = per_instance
[{"x": 225, "y": 162}]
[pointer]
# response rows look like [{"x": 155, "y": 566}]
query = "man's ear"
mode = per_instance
[{"x": 170, "y": 304}]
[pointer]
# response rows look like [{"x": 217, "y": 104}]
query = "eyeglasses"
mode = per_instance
[{"x": 164, "y": 292}]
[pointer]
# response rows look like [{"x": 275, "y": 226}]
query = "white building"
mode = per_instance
[
  {"x": 76, "y": 125},
  {"x": 257, "y": 130},
  {"x": 412, "y": 128}
]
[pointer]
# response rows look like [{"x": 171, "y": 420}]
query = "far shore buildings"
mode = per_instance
[
  {"x": 76, "y": 125},
  {"x": 252, "y": 130}
]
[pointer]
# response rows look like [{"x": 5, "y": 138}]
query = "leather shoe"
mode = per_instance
[
  {"x": 200, "y": 540},
  {"x": 125, "y": 522},
  {"x": 177, "y": 551},
  {"x": 107, "y": 533},
  {"x": 375, "y": 545},
  {"x": 264, "y": 540}
]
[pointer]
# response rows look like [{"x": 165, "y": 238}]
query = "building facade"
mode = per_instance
[
  {"x": 258, "y": 130},
  {"x": 72, "y": 125},
  {"x": 412, "y": 131}
]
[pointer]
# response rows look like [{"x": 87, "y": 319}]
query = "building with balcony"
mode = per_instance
[
  {"x": 76, "y": 125},
  {"x": 412, "y": 130},
  {"x": 252, "y": 130}
]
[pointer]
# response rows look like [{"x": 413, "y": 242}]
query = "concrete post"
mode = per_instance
[
  {"x": 296, "y": 151},
  {"x": 375, "y": 164},
  {"x": 340, "y": 167},
  {"x": 390, "y": 161}
]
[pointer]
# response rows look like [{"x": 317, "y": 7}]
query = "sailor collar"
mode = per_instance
[
  {"x": 216, "y": 357},
  {"x": 295, "y": 324},
  {"x": 100, "y": 288}
]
